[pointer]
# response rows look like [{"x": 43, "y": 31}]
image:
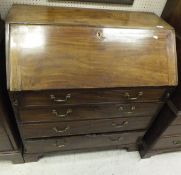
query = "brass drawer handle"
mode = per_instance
[
  {"x": 59, "y": 146},
  {"x": 124, "y": 123},
  {"x": 61, "y": 131},
  {"x": 56, "y": 113},
  {"x": 54, "y": 98},
  {"x": 177, "y": 142},
  {"x": 116, "y": 139},
  {"x": 128, "y": 96},
  {"x": 131, "y": 110}
]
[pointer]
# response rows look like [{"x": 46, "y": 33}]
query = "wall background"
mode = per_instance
[{"x": 155, "y": 6}]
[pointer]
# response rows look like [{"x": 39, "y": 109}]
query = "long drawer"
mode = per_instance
[
  {"x": 62, "y": 97},
  {"x": 168, "y": 142},
  {"x": 172, "y": 130},
  {"x": 82, "y": 142},
  {"x": 83, "y": 127},
  {"x": 83, "y": 112}
]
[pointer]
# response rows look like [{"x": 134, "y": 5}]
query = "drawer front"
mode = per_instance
[
  {"x": 82, "y": 142},
  {"x": 54, "y": 98},
  {"x": 168, "y": 143},
  {"x": 83, "y": 127},
  {"x": 172, "y": 130},
  {"x": 67, "y": 63},
  {"x": 84, "y": 112}
]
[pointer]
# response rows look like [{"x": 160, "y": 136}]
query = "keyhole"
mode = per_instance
[{"x": 99, "y": 35}]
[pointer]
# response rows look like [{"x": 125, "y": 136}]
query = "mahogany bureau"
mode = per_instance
[
  {"x": 10, "y": 144},
  {"x": 83, "y": 79}
]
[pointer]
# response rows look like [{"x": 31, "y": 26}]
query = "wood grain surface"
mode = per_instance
[
  {"x": 124, "y": 140},
  {"x": 61, "y": 57},
  {"x": 83, "y": 17},
  {"x": 41, "y": 130}
]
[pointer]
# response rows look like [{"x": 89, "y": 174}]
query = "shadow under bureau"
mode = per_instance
[{"x": 82, "y": 78}]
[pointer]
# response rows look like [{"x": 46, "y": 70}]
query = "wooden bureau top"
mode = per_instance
[
  {"x": 28, "y": 14},
  {"x": 66, "y": 48}
]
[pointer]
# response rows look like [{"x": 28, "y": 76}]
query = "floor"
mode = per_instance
[{"x": 117, "y": 162}]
